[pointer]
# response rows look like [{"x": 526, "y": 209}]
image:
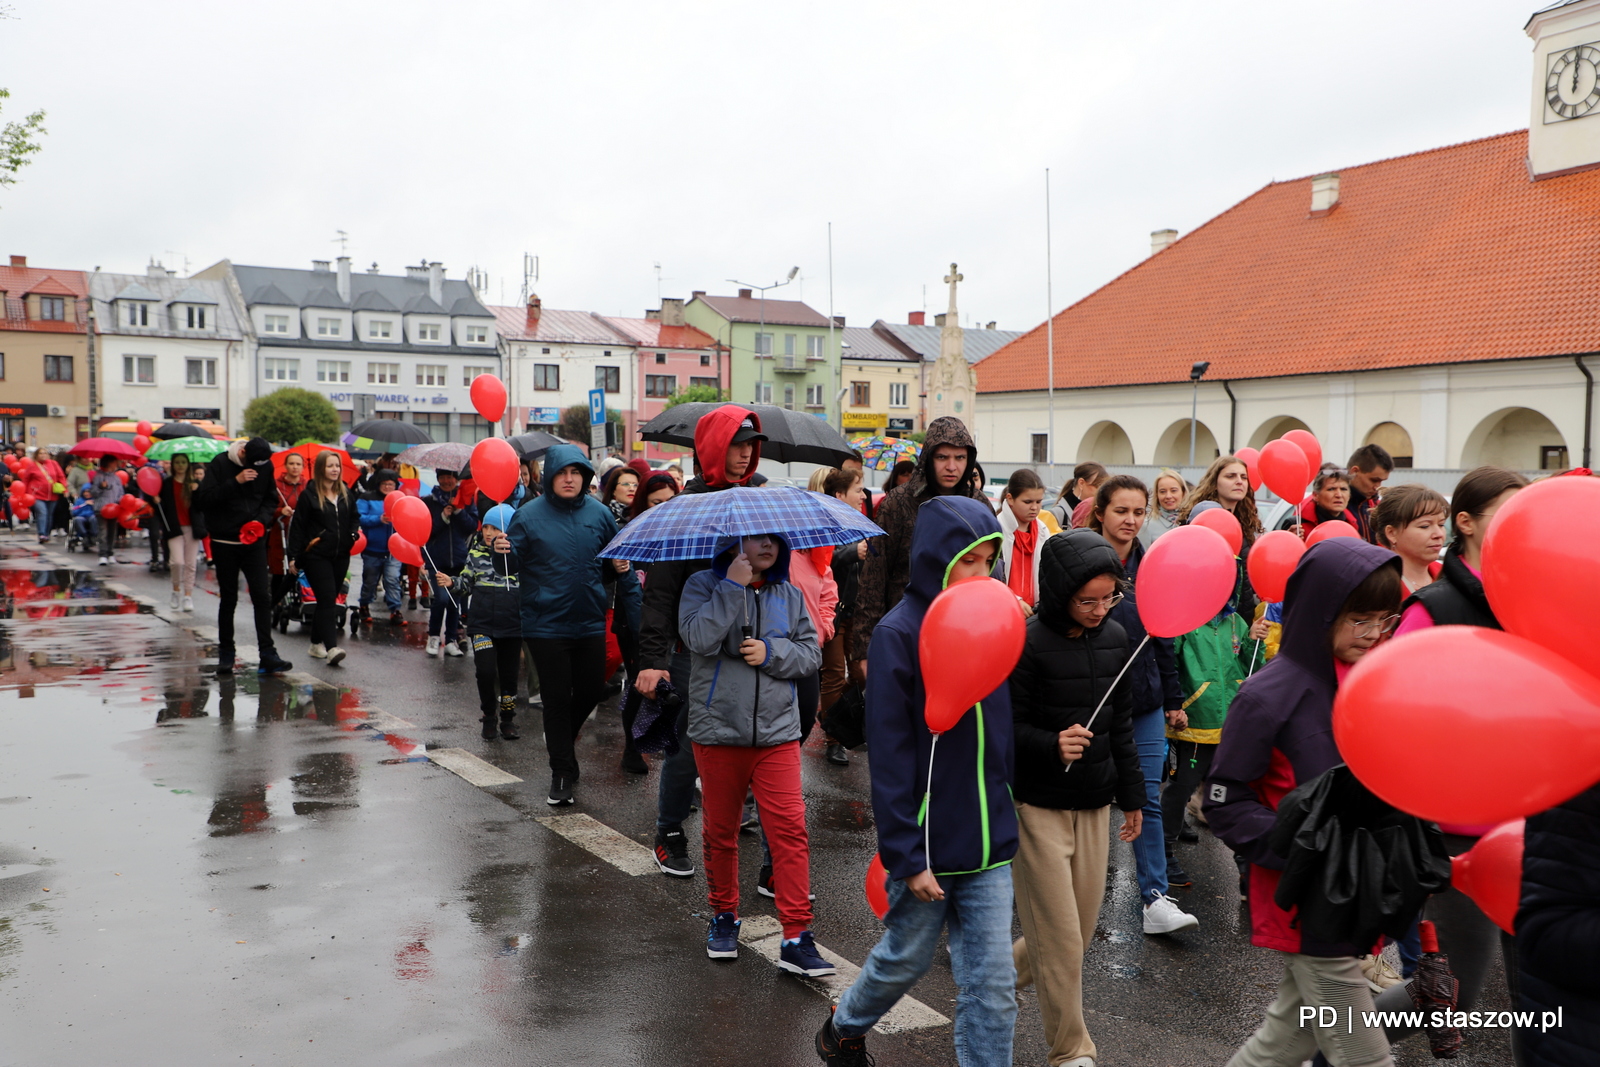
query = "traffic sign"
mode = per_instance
[{"x": 597, "y": 407}]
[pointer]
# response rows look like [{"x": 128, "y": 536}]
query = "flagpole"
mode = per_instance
[{"x": 1049, "y": 326}]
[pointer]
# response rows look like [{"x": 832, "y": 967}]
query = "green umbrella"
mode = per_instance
[{"x": 196, "y": 448}]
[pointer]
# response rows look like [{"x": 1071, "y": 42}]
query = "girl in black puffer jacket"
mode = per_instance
[{"x": 1073, "y": 653}]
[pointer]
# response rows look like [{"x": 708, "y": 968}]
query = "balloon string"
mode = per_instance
[
  {"x": 927, "y": 808},
  {"x": 441, "y": 588},
  {"x": 1111, "y": 689},
  {"x": 1253, "y": 656}
]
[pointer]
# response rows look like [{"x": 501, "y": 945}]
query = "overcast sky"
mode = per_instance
[{"x": 718, "y": 139}]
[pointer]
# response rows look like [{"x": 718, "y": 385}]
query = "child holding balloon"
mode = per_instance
[
  {"x": 489, "y": 588},
  {"x": 106, "y": 489}
]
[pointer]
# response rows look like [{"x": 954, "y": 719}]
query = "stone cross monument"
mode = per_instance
[{"x": 955, "y": 384}]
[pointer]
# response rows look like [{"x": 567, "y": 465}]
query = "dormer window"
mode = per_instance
[
  {"x": 327, "y": 327},
  {"x": 427, "y": 331},
  {"x": 138, "y": 314},
  {"x": 274, "y": 324},
  {"x": 477, "y": 335},
  {"x": 196, "y": 317},
  {"x": 53, "y": 308}
]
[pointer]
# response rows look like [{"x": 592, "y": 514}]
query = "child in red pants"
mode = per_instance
[{"x": 751, "y": 639}]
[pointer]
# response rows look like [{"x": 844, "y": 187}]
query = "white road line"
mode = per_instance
[
  {"x": 623, "y": 853},
  {"x": 765, "y": 934},
  {"x": 479, "y": 772},
  {"x": 383, "y": 722}
]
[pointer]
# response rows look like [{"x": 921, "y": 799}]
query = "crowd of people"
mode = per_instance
[{"x": 737, "y": 658}]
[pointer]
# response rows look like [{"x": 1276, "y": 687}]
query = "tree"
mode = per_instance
[
  {"x": 574, "y": 425},
  {"x": 697, "y": 394},
  {"x": 290, "y": 415},
  {"x": 18, "y": 141}
]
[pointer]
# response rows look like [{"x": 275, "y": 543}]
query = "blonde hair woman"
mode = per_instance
[{"x": 320, "y": 538}]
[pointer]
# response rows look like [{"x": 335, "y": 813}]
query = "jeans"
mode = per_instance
[
  {"x": 373, "y": 566},
  {"x": 444, "y": 610},
  {"x": 571, "y": 682},
  {"x": 977, "y": 910},
  {"x": 43, "y": 512},
  {"x": 675, "y": 791},
  {"x": 1149, "y": 853},
  {"x": 251, "y": 561}
]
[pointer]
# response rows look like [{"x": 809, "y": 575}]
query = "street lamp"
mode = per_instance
[
  {"x": 761, "y": 368},
  {"x": 1196, "y": 372}
]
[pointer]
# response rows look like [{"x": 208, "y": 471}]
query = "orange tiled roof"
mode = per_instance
[
  {"x": 1446, "y": 256},
  {"x": 18, "y": 282}
]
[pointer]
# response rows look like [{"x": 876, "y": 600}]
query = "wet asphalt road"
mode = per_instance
[{"x": 195, "y": 870}]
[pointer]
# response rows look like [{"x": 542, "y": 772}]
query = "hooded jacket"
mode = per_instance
[
  {"x": 658, "y": 635},
  {"x": 447, "y": 544},
  {"x": 228, "y": 503},
  {"x": 731, "y": 702},
  {"x": 563, "y": 580},
  {"x": 323, "y": 529},
  {"x": 887, "y": 568},
  {"x": 1212, "y": 660},
  {"x": 369, "y": 508},
  {"x": 491, "y": 581},
  {"x": 1280, "y": 730},
  {"x": 1154, "y": 675},
  {"x": 811, "y": 573},
  {"x": 973, "y": 821},
  {"x": 1059, "y": 681}
]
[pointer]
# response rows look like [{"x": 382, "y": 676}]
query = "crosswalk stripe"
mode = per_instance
[
  {"x": 479, "y": 772},
  {"x": 623, "y": 853}
]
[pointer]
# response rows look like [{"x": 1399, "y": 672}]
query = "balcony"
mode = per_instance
[{"x": 790, "y": 365}]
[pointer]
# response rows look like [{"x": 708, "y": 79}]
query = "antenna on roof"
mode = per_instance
[
  {"x": 181, "y": 256},
  {"x": 530, "y": 275},
  {"x": 343, "y": 241},
  {"x": 478, "y": 278}
]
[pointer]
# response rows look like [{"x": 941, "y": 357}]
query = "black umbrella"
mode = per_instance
[
  {"x": 171, "y": 430},
  {"x": 385, "y": 435},
  {"x": 534, "y": 443},
  {"x": 792, "y": 436}
]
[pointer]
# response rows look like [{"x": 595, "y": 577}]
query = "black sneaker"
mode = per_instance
[
  {"x": 412, "y": 605},
  {"x": 560, "y": 792},
  {"x": 838, "y": 755},
  {"x": 1188, "y": 834},
  {"x": 722, "y": 937},
  {"x": 396, "y": 619},
  {"x": 632, "y": 762},
  {"x": 1176, "y": 875},
  {"x": 801, "y": 957},
  {"x": 225, "y": 664},
  {"x": 764, "y": 884},
  {"x": 491, "y": 728},
  {"x": 274, "y": 664},
  {"x": 841, "y": 1051},
  {"x": 672, "y": 853}
]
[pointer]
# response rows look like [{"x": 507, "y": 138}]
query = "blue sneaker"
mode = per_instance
[
  {"x": 722, "y": 940},
  {"x": 800, "y": 956}
]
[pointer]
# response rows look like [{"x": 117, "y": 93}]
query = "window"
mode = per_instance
[
  {"x": 380, "y": 329},
  {"x": 763, "y": 344},
  {"x": 860, "y": 394},
  {"x": 702, "y": 383},
  {"x": 544, "y": 351},
  {"x": 427, "y": 331},
  {"x": 274, "y": 324},
  {"x": 788, "y": 397},
  {"x": 196, "y": 317},
  {"x": 58, "y": 368},
  {"x": 333, "y": 370},
  {"x": 53, "y": 308},
  {"x": 2, "y": 366},
  {"x": 816, "y": 347},
  {"x": 705, "y": 359},
  {"x": 327, "y": 327},
  {"x": 899, "y": 395},
  {"x": 814, "y": 396},
  {"x": 383, "y": 374},
  {"x": 1041, "y": 448},
  {"x": 477, "y": 335},
  {"x": 608, "y": 379},
  {"x": 661, "y": 357},
  {"x": 431, "y": 373},
  {"x": 139, "y": 370},
  {"x": 437, "y": 423},
  {"x": 763, "y": 393},
  {"x": 1552, "y": 457},
  {"x": 469, "y": 373},
  {"x": 474, "y": 428},
  {"x": 138, "y": 314},
  {"x": 202, "y": 371},
  {"x": 660, "y": 384},
  {"x": 546, "y": 375},
  {"x": 788, "y": 344},
  {"x": 280, "y": 370}
]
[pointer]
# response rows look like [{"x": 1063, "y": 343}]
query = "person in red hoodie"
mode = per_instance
[
  {"x": 41, "y": 475},
  {"x": 727, "y": 449},
  {"x": 1343, "y": 600}
]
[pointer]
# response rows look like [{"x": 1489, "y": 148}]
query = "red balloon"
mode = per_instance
[
  {"x": 489, "y": 398},
  {"x": 388, "y": 504},
  {"x": 149, "y": 479},
  {"x": 877, "y": 887},
  {"x": 124, "y": 476},
  {"x": 144, "y": 429},
  {"x": 361, "y": 544},
  {"x": 129, "y": 503},
  {"x": 975, "y": 613},
  {"x": 1308, "y": 443},
  {"x": 18, "y": 487},
  {"x": 1284, "y": 470},
  {"x": 404, "y": 551},
  {"x": 128, "y": 522},
  {"x": 111, "y": 511},
  {"x": 142, "y": 443},
  {"x": 1490, "y": 872},
  {"x": 1222, "y": 521},
  {"x": 412, "y": 520},
  {"x": 1252, "y": 465},
  {"x": 1273, "y": 558},
  {"x": 1185, "y": 579},
  {"x": 1525, "y": 540},
  {"x": 494, "y": 466},
  {"x": 26, "y": 501},
  {"x": 1408, "y": 738},
  {"x": 1326, "y": 531}
]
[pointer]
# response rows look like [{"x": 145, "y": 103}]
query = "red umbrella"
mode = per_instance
[
  {"x": 96, "y": 447},
  {"x": 311, "y": 450}
]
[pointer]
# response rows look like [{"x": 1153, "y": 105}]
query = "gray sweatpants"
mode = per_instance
[{"x": 1283, "y": 1040}]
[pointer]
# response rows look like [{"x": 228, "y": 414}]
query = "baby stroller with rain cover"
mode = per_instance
[{"x": 299, "y": 604}]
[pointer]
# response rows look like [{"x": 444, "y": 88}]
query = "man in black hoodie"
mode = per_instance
[{"x": 238, "y": 497}]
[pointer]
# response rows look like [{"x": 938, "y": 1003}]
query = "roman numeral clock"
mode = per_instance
[{"x": 1572, "y": 87}]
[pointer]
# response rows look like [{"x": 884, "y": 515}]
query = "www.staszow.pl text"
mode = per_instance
[{"x": 1330, "y": 1018}]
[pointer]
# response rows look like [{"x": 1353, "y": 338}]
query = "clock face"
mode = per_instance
[{"x": 1572, "y": 89}]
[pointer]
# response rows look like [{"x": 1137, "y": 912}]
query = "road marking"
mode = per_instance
[
  {"x": 765, "y": 934},
  {"x": 383, "y": 722},
  {"x": 479, "y": 772},
  {"x": 623, "y": 853}
]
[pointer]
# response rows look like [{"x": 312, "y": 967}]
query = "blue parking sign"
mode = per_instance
[{"x": 597, "y": 407}]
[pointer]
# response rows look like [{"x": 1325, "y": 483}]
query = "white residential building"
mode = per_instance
[{"x": 553, "y": 358}]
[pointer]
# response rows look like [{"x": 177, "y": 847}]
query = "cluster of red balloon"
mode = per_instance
[
  {"x": 1420, "y": 744},
  {"x": 413, "y": 524},
  {"x": 494, "y": 461},
  {"x": 1285, "y": 466},
  {"x": 126, "y": 511},
  {"x": 141, "y": 437},
  {"x": 22, "y": 501}
]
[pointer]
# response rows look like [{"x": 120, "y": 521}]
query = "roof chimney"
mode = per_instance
[
  {"x": 155, "y": 270},
  {"x": 535, "y": 307},
  {"x": 1161, "y": 240},
  {"x": 374, "y": 268},
  {"x": 420, "y": 271},
  {"x": 938, "y": 320},
  {"x": 321, "y": 266},
  {"x": 344, "y": 278},
  {"x": 696, "y": 293},
  {"x": 652, "y": 314},
  {"x": 1324, "y": 193},
  {"x": 989, "y": 325},
  {"x": 917, "y": 318},
  {"x": 744, "y": 294},
  {"x": 436, "y": 282},
  {"x": 19, "y": 261},
  {"x": 671, "y": 313},
  {"x": 838, "y": 322}
]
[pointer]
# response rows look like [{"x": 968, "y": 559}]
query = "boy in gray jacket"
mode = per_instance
[{"x": 750, "y": 638}]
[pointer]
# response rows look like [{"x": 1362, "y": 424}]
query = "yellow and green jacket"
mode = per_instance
[{"x": 1213, "y": 662}]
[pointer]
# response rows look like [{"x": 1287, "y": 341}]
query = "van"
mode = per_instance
[{"x": 125, "y": 430}]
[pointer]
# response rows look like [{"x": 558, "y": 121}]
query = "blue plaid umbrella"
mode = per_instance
[{"x": 696, "y": 525}]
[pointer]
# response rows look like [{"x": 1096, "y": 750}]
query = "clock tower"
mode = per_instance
[{"x": 1564, "y": 131}]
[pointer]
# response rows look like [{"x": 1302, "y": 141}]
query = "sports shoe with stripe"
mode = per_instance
[
  {"x": 672, "y": 853},
  {"x": 722, "y": 937}
]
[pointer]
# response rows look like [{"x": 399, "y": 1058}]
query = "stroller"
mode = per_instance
[
  {"x": 81, "y": 533},
  {"x": 299, "y": 604}
]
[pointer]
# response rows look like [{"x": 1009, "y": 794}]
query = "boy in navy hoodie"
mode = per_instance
[{"x": 966, "y": 883}]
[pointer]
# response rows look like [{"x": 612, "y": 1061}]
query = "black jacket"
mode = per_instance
[
  {"x": 167, "y": 504},
  {"x": 322, "y": 529},
  {"x": 846, "y": 575},
  {"x": 1456, "y": 597},
  {"x": 1059, "y": 681},
  {"x": 1558, "y": 931},
  {"x": 229, "y": 504}
]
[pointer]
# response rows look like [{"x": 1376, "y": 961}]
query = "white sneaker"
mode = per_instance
[
  {"x": 1379, "y": 973},
  {"x": 318, "y": 652},
  {"x": 104, "y": 561},
  {"x": 433, "y": 646},
  {"x": 452, "y": 648},
  {"x": 334, "y": 656},
  {"x": 1163, "y": 916},
  {"x": 188, "y": 603},
  {"x": 174, "y": 600}
]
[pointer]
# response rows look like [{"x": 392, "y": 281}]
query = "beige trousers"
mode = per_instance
[
  {"x": 1286, "y": 1039},
  {"x": 1060, "y": 878}
]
